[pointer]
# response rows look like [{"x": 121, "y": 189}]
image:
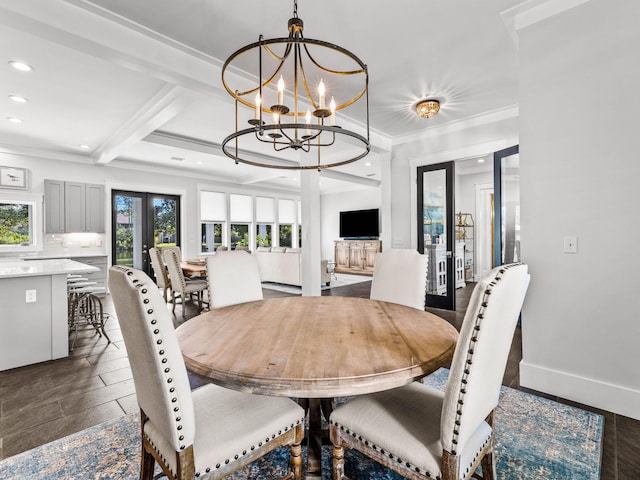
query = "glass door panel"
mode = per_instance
[
  {"x": 141, "y": 221},
  {"x": 507, "y": 206},
  {"x": 436, "y": 232}
]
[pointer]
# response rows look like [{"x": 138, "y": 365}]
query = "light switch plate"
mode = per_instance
[
  {"x": 571, "y": 244},
  {"x": 30, "y": 296}
]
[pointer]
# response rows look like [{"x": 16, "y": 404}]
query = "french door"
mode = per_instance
[
  {"x": 141, "y": 221},
  {"x": 506, "y": 220},
  {"x": 436, "y": 232}
]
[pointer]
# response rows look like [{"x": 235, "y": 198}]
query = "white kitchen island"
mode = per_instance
[{"x": 34, "y": 331}]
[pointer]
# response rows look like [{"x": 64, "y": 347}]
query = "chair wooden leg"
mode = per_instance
[
  {"x": 450, "y": 466},
  {"x": 147, "y": 462},
  {"x": 338, "y": 463},
  {"x": 296, "y": 461},
  {"x": 147, "y": 465},
  {"x": 489, "y": 466}
]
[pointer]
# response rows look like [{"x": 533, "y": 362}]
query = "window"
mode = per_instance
[
  {"x": 213, "y": 215},
  {"x": 263, "y": 234},
  {"x": 285, "y": 235},
  {"x": 239, "y": 235},
  {"x": 20, "y": 223},
  {"x": 211, "y": 236},
  {"x": 265, "y": 217},
  {"x": 286, "y": 219},
  {"x": 241, "y": 212}
]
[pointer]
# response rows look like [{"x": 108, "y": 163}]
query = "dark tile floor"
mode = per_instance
[{"x": 43, "y": 402}]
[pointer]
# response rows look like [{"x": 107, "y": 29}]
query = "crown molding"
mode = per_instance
[
  {"x": 534, "y": 11},
  {"x": 487, "y": 118}
]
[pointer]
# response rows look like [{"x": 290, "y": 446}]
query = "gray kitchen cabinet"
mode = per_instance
[
  {"x": 74, "y": 207},
  {"x": 54, "y": 206}
]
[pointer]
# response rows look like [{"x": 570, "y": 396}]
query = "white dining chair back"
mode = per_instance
[
  {"x": 179, "y": 284},
  {"x": 400, "y": 276},
  {"x": 422, "y": 432},
  {"x": 233, "y": 278},
  {"x": 160, "y": 271},
  {"x": 211, "y": 431},
  {"x": 481, "y": 354}
]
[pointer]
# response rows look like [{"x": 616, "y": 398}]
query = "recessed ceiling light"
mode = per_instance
[
  {"x": 23, "y": 67},
  {"x": 198, "y": 163},
  {"x": 481, "y": 160},
  {"x": 84, "y": 147},
  {"x": 14, "y": 120},
  {"x": 368, "y": 164},
  {"x": 18, "y": 98}
]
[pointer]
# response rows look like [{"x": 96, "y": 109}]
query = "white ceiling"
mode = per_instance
[{"x": 139, "y": 81}]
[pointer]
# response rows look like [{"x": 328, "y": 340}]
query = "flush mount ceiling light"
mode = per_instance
[
  {"x": 428, "y": 108},
  {"x": 322, "y": 79},
  {"x": 23, "y": 67},
  {"x": 18, "y": 99},
  {"x": 14, "y": 120}
]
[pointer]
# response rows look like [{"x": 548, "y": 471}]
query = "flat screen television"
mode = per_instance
[{"x": 359, "y": 224}]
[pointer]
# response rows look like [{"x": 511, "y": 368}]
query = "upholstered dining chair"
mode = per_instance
[
  {"x": 400, "y": 276},
  {"x": 233, "y": 278},
  {"x": 160, "y": 271},
  {"x": 423, "y": 433},
  {"x": 179, "y": 284},
  {"x": 212, "y": 430}
]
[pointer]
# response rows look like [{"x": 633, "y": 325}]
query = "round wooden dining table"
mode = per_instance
[{"x": 315, "y": 348}]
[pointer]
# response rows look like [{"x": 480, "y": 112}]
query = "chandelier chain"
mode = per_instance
[{"x": 295, "y": 8}]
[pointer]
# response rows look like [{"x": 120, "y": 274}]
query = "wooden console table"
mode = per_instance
[{"x": 356, "y": 256}]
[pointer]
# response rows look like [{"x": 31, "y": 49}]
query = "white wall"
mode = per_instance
[
  {"x": 332, "y": 204},
  {"x": 579, "y": 103}
]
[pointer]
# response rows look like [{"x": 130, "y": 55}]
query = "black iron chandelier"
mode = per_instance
[{"x": 303, "y": 118}]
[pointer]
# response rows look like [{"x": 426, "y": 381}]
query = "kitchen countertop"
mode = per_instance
[
  {"x": 43, "y": 267},
  {"x": 63, "y": 255}
]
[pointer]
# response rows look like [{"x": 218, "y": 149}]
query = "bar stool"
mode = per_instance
[{"x": 85, "y": 307}]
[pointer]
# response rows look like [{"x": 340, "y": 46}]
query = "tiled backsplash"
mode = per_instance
[{"x": 71, "y": 244}]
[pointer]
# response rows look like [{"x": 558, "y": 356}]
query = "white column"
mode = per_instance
[
  {"x": 386, "y": 233},
  {"x": 311, "y": 251}
]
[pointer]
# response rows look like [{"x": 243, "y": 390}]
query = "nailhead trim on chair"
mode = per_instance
[
  {"x": 387, "y": 454},
  {"x": 252, "y": 448},
  {"x": 469, "y": 362},
  {"x": 178, "y": 419},
  {"x": 143, "y": 289}
]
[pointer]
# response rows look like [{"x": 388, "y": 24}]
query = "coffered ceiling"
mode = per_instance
[{"x": 139, "y": 82}]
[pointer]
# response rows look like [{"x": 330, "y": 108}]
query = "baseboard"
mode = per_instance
[{"x": 606, "y": 396}]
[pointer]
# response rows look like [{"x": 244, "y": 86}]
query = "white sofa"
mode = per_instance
[{"x": 284, "y": 265}]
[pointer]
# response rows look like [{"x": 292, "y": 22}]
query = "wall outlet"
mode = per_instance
[
  {"x": 571, "y": 244},
  {"x": 30, "y": 296}
]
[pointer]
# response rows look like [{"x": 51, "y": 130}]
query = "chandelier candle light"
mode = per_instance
[{"x": 297, "y": 119}]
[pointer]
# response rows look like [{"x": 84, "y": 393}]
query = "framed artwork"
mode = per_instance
[{"x": 14, "y": 177}]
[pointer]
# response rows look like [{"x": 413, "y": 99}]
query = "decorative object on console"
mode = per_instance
[
  {"x": 465, "y": 234},
  {"x": 302, "y": 63},
  {"x": 14, "y": 177}
]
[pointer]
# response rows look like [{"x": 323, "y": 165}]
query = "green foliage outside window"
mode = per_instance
[
  {"x": 285, "y": 235},
  {"x": 14, "y": 224}
]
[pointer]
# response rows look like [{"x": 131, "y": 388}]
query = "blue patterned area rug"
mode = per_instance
[{"x": 536, "y": 438}]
